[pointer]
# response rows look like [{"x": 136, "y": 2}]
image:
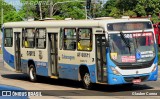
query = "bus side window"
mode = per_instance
[
  {"x": 8, "y": 37},
  {"x": 29, "y": 38},
  {"x": 69, "y": 39},
  {"x": 84, "y": 39},
  {"x": 41, "y": 38}
]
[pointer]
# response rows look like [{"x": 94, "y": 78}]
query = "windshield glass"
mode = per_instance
[{"x": 132, "y": 47}]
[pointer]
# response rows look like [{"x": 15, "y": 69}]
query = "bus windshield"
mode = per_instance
[{"x": 140, "y": 47}]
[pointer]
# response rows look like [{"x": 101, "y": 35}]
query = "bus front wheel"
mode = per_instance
[
  {"x": 32, "y": 73},
  {"x": 87, "y": 81}
]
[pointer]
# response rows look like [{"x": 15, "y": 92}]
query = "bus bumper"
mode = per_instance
[{"x": 120, "y": 79}]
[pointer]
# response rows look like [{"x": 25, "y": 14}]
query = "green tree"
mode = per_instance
[
  {"x": 9, "y": 12},
  {"x": 139, "y": 8}
]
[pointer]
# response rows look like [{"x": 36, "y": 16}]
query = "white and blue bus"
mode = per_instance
[{"x": 110, "y": 51}]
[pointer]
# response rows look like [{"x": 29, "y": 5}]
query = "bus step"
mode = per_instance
[{"x": 55, "y": 77}]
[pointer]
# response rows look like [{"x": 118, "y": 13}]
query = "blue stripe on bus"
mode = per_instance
[
  {"x": 70, "y": 71},
  {"x": 154, "y": 75},
  {"x": 40, "y": 69},
  {"x": 8, "y": 58}
]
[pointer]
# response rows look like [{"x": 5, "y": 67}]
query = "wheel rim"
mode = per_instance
[
  {"x": 87, "y": 79},
  {"x": 32, "y": 73}
]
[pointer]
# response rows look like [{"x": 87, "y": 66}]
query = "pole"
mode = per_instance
[
  {"x": 1, "y": 12},
  {"x": 40, "y": 9},
  {"x": 50, "y": 8},
  {"x": 2, "y": 16},
  {"x": 86, "y": 12}
]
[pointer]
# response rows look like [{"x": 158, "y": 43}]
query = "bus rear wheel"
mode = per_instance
[
  {"x": 87, "y": 81},
  {"x": 32, "y": 73}
]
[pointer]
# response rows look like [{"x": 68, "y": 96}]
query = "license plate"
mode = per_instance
[{"x": 136, "y": 81}]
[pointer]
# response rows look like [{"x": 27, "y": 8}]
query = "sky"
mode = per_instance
[{"x": 15, "y": 3}]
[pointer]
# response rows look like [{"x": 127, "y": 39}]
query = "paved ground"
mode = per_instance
[{"x": 67, "y": 89}]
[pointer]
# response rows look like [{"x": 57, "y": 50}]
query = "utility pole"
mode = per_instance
[
  {"x": 28, "y": 7},
  {"x": 2, "y": 12},
  {"x": 86, "y": 14},
  {"x": 40, "y": 10},
  {"x": 2, "y": 16},
  {"x": 50, "y": 8}
]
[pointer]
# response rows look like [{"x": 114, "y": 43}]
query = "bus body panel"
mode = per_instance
[{"x": 70, "y": 61}]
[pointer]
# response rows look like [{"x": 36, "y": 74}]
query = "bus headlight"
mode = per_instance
[
  {"x": 115, "y": 71},
  {"x": 154, "y": 67}
]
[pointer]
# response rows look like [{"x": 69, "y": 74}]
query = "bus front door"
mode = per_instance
[
  {"x": 17, "y": 56},
  {"x": 53, "y": 54},
  {"x": 101, "y": 58}
]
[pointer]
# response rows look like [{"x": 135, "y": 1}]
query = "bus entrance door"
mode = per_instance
[
  {"x": 17, "y": 51},
  {"x": 53, "y": 54},
  {"x": 101, "y": 58}
]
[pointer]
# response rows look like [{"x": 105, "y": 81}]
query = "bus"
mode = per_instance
[
  {"x": 104, "y": 51},
  {"x": 157, "y": 32}
]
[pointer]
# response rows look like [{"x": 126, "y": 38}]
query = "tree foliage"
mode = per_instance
[
  {"x": 136, "y": 8},
  {"x": 76, "y": 10},
  {"x": 9, "y": 12}
]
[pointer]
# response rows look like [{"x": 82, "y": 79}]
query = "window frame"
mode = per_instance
[
  {"x": 8, "y": 37},
  {"x": 91, "y": 39},
  {"x": 61, "y": 43},
  {"x": 64, "y": 39},
  {"x": 36, "y": 38},
  {"x": 24, "y": 36}
]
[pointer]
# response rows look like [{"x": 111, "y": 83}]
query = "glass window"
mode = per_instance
[
  {"x": 8, "y": 37},
  {"x": 41, "y": 38},
  {"x": 69, "y": 39},
  {"x": 85, "y": 39},
  {"x": 133, "y": 47},
  {"x": 29, "y": 38}
]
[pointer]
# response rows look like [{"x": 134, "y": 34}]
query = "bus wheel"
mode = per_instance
[
  {"x": 87, "y": 81},
  {"x": 32, "y": 73}
]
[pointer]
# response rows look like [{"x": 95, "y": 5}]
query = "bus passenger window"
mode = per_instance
[
  {"x": 69, "y": 39},
  {"x": 29, "y": 38},
  {"x": 85, "y": 39},
  {"x": 41, "y": 38},
  {"x": 8, "y": 37}
]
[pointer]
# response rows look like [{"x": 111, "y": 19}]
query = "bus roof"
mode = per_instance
[{"x": 67, "y": 23}]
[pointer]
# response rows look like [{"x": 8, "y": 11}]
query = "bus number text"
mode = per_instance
[{"x": 30, "y": 53}]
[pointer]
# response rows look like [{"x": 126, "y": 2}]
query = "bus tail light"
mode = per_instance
[{"x": 115, "y": 71}]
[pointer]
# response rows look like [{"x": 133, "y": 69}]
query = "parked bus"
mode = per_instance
[
  {"x": 157, "y": 32},
  {"x": 112, "y": 51}
]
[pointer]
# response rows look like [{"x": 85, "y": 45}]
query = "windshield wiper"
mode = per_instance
[{"x": 125, "y": 41}]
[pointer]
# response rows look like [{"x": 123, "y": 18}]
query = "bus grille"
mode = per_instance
[{"x": 135, "y": 66}]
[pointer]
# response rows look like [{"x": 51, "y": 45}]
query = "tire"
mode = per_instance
[
  {"x": 32, "y": 73},
  {"x": 87, "y": 81}
]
